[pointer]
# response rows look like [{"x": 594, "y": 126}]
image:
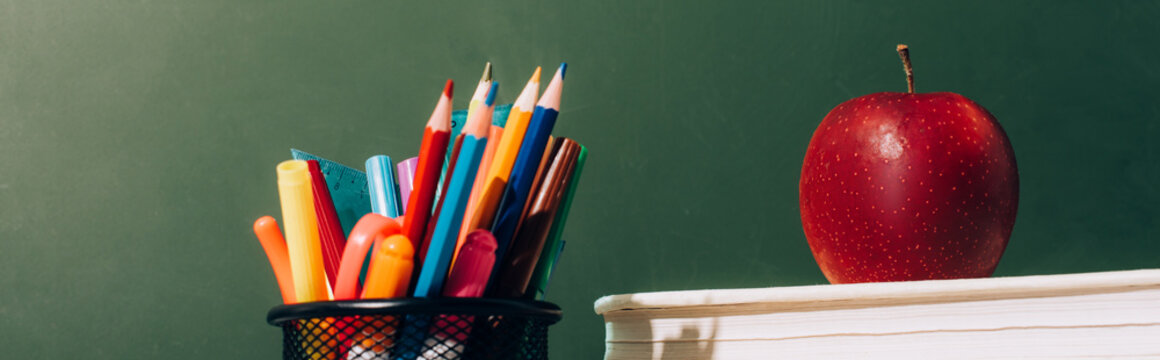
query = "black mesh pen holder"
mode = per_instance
[{"x": 416, "y": 328}]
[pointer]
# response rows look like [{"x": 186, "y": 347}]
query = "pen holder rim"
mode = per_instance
[{"x": 546, "y": 311}]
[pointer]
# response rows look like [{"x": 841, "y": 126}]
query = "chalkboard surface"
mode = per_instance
[{"x": 138, "y": 141}]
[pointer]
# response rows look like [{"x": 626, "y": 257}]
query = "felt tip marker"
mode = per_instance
[
  {"x": 266, "y": 229},
  {"x": 372, "y": 226},
  {"x": 302, "y": 243}
]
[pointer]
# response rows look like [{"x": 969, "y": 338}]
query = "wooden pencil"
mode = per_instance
[{"x": 431, "y": 154}]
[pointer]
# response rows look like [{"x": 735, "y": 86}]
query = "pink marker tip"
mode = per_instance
[{"x": 472, "y": 269}]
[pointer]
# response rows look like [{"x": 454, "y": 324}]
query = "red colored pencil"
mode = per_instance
[
  {"x": 438, "y": 203},
  {"x": 329, "y": 229},
  {"x": 431, "y": 155}
]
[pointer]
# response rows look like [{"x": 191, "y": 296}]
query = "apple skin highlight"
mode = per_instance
[{"x": 905, "y": 186}]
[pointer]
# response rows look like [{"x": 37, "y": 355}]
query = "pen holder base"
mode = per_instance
[{"x": 416, "y": 328}]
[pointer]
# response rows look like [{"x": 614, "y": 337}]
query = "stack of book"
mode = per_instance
[{"x": 1094, "y": 315}]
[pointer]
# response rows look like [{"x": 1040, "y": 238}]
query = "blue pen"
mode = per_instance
[
  {"x": 515, "y": 195},
  {"x": 438, "y": 258},
  {"x": 381, "y": 184}
]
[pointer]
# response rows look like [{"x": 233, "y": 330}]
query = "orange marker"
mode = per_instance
[
  {"x": 390, "y": 271},
  {"x": 388, "y": 277},
  {"x": 371, "y": 227},
  {"x": 266, "y": 228}
]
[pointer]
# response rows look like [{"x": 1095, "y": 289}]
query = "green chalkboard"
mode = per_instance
[{"x": 138, "y": 141}]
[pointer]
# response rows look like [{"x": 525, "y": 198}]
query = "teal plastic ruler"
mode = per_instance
[
  {"x": 459, "y": 117},
  {"x": 348, "y": 189}
]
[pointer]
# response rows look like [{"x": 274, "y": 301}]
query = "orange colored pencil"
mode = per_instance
[
  {"x": 431, "y": 154},
  {"x": 507, "y": 147}
]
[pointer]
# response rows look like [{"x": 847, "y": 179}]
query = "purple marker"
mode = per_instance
[{"x": 406, "y": 178}]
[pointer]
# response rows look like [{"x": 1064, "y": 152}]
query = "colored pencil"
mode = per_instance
[
  {"x": 477, "y": 99},
  {"x": 555, "y": 245},
  {"x": 302, "y": 244},
  {"x": 493, "y": 138},
  {"x": 481, "y": 91},
  {"x": 435, "y": 139},
  {"x": 439, "y": 251},
  {"x": 450, "y": 166},
  {"x": 505, "y": 155},
  {"x": 511, "y": 206},
  {"x": 516, "y": 268}
]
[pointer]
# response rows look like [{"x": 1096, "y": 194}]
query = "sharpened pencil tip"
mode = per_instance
[
  {"x": 486, "y": 72},
  {"x": 550, "y": 99},
  {"x": 449, "y": 88},
  {"x": 491, "y": 94},
  {"x": 536, "y": 75}
]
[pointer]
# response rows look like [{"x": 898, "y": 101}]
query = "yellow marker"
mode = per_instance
[
  {"x": 505, "y": 154},
  {"x": 302, "y": 242},
  {"x": 389, "y": 274}
]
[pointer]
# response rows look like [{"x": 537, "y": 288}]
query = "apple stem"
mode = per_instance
[{"x": 904, "y": 53}]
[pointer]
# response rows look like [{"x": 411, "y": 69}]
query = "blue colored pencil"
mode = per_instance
[{"x": 515, "y": 196}]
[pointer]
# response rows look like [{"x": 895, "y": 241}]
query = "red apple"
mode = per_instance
[{"x": 908, "y": 186}]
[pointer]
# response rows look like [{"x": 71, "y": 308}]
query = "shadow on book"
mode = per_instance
[{"x": 690, "y": 345}]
